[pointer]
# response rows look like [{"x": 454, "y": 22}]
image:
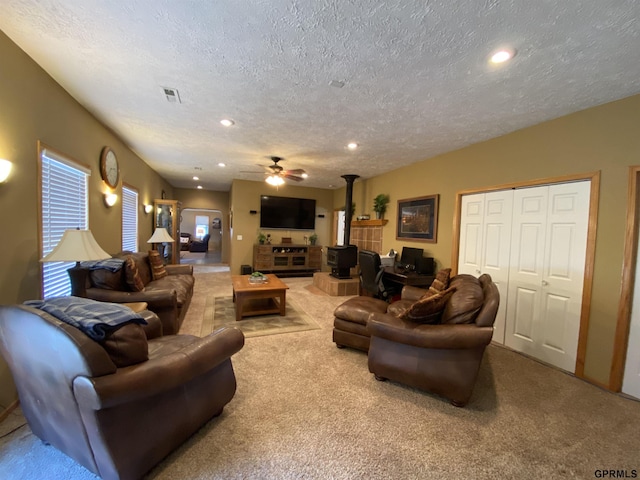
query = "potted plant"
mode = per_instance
[
  {"x": 380, "y": 205},
  {"x": 261, "y": 238},
  {"x": 313, "y": 238}
]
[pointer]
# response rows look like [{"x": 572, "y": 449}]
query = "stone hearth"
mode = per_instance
[{"x": 334, "y": 286}]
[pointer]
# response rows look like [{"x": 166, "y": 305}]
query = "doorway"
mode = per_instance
[
  {"x": 625, "y": 369},
  {"x": 204, "y": 229}
]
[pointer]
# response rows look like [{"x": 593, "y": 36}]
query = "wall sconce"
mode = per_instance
[
  {"x": 5, "y": 169},
  {"x": 110, "y": 199},
  {"x": 148, "y": 209}
]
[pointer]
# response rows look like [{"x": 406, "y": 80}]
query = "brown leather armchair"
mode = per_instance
[
  {"x": 441, "y": 358},
  {"x": 118, "y": 422}
]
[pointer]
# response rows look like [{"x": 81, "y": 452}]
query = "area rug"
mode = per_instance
[{"x": 221, "y": 312}]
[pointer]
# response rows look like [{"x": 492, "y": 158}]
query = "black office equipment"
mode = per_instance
[
  {"x": 425, "y": 266},
  {"x": 410, "y": 258}
]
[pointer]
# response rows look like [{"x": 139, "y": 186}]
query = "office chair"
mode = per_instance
[{"x": 371, "y": 271}]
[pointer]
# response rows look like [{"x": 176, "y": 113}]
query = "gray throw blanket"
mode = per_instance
[
  {"x": 111, "y": 264},
  {"x": 95, "y": 319}
]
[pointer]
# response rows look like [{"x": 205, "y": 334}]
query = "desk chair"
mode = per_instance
[{"x": 371, "y": 272}]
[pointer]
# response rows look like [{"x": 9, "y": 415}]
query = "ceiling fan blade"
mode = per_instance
[
  {"x": 293, "y": 177},
  {"x": 297, "y": 171}
]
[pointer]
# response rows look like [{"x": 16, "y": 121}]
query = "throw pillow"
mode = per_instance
[
  {"x": 428, "y": 309},
  {"x": 467, "y": 301},
  {"x": 127, "y": 345},
  {"x": 157, "y": 265},
  {"x": 440, "y": 283},
  {"x": 132, "y": 275}
]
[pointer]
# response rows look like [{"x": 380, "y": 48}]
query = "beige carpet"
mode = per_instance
[
  {"x": 221, "y": 312},
  {"x": 307, "y": 410}
]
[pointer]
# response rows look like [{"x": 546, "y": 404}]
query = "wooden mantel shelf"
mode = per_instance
[{"x": 369, "y": 223}]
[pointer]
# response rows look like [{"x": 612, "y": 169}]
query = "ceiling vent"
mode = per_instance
[{"x": 172, "y": 95}]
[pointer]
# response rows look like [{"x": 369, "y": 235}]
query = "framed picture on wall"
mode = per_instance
[{"x": 418, "y": 219}]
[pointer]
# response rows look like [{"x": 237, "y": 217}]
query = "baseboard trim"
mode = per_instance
[{"x": 7, "y": 411}]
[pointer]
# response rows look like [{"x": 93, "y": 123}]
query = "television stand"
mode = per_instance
[{"x": 287, "y": 257}]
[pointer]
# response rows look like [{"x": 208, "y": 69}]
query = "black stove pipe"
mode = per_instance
[{"x": 348, "y": 210}]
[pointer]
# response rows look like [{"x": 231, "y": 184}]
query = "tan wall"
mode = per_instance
[
  {"x": 603, "y": 138},
  {"x": 35, "y": 108},
  {"x": 209, "y": 200},
  {"x": 245, "y": 196}
]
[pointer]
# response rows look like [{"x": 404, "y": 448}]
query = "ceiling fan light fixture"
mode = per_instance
[{"x": 274, "y": 180}]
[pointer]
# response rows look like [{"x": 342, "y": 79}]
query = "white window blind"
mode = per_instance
[
  {"x": 64, "y": 206},
  {"x": 129, "y": 219}
]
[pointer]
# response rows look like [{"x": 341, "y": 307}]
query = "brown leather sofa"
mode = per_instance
[
  {"x": 167, "y": 297},
  {"x": 442, "y": 358},
  {"x": 118, "y": 422}
]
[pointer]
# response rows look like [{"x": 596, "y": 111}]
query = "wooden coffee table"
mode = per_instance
[{"x": 259, "y": 298}]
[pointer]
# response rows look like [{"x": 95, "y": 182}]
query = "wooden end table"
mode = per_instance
[{"x": 259, "y": 298}]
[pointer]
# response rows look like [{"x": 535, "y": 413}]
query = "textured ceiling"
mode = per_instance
[{"x": 416, "y": 78}]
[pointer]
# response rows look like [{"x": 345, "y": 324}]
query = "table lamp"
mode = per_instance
[
  {"x": 160, "y": 237},
  {"x": 76, "y": 246}
]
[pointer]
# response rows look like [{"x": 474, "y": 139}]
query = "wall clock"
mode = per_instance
[{"x": 109, "y": 167}]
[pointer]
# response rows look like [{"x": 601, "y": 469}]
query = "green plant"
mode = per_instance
[
  {"x": 313, "y": 238},
  {"x": 380, "y": 204},
  {"x": 261, "y": 237}
]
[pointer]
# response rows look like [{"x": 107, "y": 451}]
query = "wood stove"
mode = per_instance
[{"x": 342, "y": 258}]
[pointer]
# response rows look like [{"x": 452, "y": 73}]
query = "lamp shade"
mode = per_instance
[
  {"x": 160, "y": 235},
  {"x": 76, "y": 246}
]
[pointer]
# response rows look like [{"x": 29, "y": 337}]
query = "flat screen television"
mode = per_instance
[{"x": 286, "y": 212}]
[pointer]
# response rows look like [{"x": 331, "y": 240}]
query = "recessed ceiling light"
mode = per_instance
[
  {"x": 304, "y": 175},
  {"x": 221, "y": 164},
  {"x": 199, "y": 187},
  {"x": 336, "y": 83},
  {"x": 196, "y": 178},
  {"x": 502, "y": 55},
  {"x": 352, "y": 146},
  {"x": 226, "y": 122}
]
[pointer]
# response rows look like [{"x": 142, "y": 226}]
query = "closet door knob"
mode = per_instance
[{"x": 544, "y": 283}]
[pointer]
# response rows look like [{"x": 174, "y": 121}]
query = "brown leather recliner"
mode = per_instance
[
  {"x": 117, "y": 422},
  {"x": 443, "y": 358}
]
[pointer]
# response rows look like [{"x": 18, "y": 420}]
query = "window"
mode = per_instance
[
  {"x": 64, "y": 185},
  {"x": 129, "y": 219}
]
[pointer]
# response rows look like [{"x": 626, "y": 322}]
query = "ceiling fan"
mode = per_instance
[{"x": 276, "y": 174}]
